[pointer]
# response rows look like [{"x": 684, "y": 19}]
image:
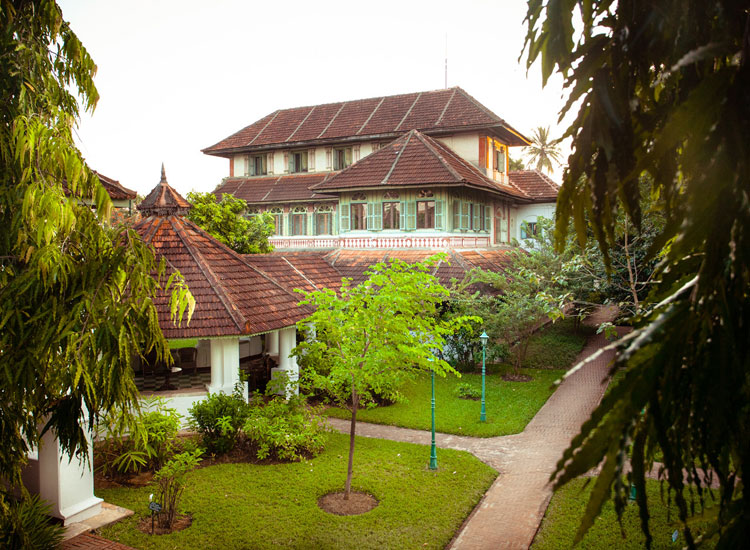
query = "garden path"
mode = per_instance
[{"x": 510, "y": 512}]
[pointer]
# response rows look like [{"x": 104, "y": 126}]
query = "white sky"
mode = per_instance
[{"x": 176, "y": 76}]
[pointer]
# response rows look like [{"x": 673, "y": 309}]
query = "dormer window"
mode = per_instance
[
  {"x": 255, "y": 165},
  {"x": 297, "y": 162},
  {"x": 342, "y": 157}
]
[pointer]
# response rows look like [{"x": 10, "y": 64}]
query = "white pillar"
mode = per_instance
[
  {"x": 225, "y": 365},
  {"x": 67, "y": 485},
  {"x": 288, "y": 365},
  {"x": 272, "y": 343}
]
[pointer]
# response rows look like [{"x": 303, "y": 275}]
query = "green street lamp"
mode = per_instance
[
  {"x": 484, "y": 338},
  {"x": 433, "y": 450}
]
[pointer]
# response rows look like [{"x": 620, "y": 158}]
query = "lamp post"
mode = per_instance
[
  {"x": 483, "y": 338},
  {"x": 433, "y": 450}
]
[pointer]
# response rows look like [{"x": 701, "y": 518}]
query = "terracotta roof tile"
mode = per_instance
[
  {"x": 163, "y": 200},
  {"x": 535, "y": 184},
  {"x": 438, "y": 110},
  {"x": 306, "y": 271},
  {"x": 288, "y": 188},
  {"x": 115, "y": 189},
  {"x": 414, "y": 159}
]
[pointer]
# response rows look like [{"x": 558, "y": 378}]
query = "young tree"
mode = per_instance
[
  {"x": 543, "y": 152},
  {"x": 370, "y": 338},
  {"x": 75, "y": 295},
  {"x": 225, "y": 221},
  {"x": 663, "y": 88}
]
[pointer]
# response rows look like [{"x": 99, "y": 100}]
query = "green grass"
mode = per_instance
[
  {"x": 185, "y": 343},
  {"x": 567, "y": 507},
  {"x": 557, "y": 345},
  {"x": 510, "y": 405},
  {"x": 240, "y": 506}
]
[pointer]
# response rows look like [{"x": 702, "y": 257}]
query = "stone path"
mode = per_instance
[
  {"x": 510, "y": 513},
  {"x": 89, "y": 541}
]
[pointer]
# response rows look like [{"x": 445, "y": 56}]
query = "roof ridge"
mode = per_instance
[
  {"x": 421, "y": 137},
  {"x": 271, "y": 188},
  {"x": 334, "y": 117},
  {"x": 446, "y": 106},
  {"x": 397, "y": 128},
  {"x": 300, "y": 273},
  {"x": 301, "y": 123},
  {"x": 275, "y": 114},
  {"x": 398, "y": 156},
  {"x": 479, "y": 105},
  {"x": 202, "y": 264},
  {"x": 369, "y": 118}
]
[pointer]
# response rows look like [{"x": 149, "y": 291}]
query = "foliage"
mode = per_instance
[
  {"x": 463, "y": 348},
  {"x": 219, "y": 420},
  {"x": 465, "y": 390},
  {"x": 267, "y": 506},
  {"x": 144, "y": 440},
  {"x": 568, "y": 504},
  {"x": 543, "y": 152},
  {"x": 510, "y": 405},
  {"x": 34, "y": 528},
  {"x": 285, "y": 429},
  {"x": 372, "y": 337},
  {"x": 225, "y": 221},
  {"x": 664, "y": 89},
  {"x": 171, "y": 480},
  {"x": 557, "y": 345},
  {"x": 75, "y": 293},
  {"x": 516, "y": 164}
]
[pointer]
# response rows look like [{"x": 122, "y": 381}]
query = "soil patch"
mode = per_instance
[
  {"x": 358, "y": 503},
  {"x": 510, "y": 377},
  {"x": 182, "y": 521},
  {"x": 471, "y": 398}
]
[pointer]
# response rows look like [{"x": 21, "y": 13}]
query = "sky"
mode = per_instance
[{"x": 176, "y": 76}]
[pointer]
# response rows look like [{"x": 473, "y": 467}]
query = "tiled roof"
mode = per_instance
[
  {"x": 115, "y": 189},
  {"x": 232, "y": 297},
  {"x": 163, "y": 200},
  {"x": 438, "y": 111},
  {"x": 303, "y": 270},
  {"x": 354, "y": 263},
  {"x": 288, "y": 188},
  {"x": 414, "y": 159},
  {"x": 534, "y": 184}
]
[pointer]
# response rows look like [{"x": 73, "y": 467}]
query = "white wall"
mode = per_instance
[
  {"x": 530, "y": 213},
  {"x": 464, "y": 145}
]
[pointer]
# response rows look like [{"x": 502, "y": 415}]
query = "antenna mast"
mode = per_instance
[{"x": 446, "y": 61}]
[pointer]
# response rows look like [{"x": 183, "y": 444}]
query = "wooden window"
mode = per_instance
[
  {"x": 476, "y": 217},
  {"x": 324, "y": 220},
  {"x": 358, "y": 216},
  {"x": 486, "y": 218},
  {"x": 392, "y": 215},
  {"x": 342, "y": 158},
  {"x": 500, "y": 159},
  {"x": 298, "y": 221},
  {"x": 425, "y": 214},
  {"x": 255, "y": 165},
  {"x": 529, "y": 229},
  {"x": 298, "y": 162},
  {"x": 278, "y": 220}
]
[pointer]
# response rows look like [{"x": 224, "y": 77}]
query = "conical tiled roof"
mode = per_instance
[{"x": 163, "y": 200}]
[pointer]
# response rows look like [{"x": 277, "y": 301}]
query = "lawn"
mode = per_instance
[
  {"x": 268, "y": 506},
  {"x": 510, "y": 405},
  {"x": 567, "y": 508},
  {"x": 183, "y": 343}
]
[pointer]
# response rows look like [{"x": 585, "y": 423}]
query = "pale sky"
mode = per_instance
[{"x": 177, "y": 76}]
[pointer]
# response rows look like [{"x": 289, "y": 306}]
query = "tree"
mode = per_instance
[
  {"x": 224, "y": 220},
  {"x": 663, "y": 89},
  {"x": 370, "y": 338},
  {"x": 543, "y": 152},
  {"x": 516, "y": 164},
  {"x": 75, "y": 294}
]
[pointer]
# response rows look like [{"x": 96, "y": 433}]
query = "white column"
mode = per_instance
[
  {"x": 67, "y": 485},
  {"x": 288, "y": 365},
  {"x": 272, "y": 343},
  {"x": 225, "y": 365}
]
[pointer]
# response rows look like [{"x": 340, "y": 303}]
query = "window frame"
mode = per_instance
[
  {"x": 303, "y": 166},
  {"x": 425, "y": 214}
]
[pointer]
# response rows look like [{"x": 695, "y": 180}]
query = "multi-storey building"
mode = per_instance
[{"x": 421, "y": 170}]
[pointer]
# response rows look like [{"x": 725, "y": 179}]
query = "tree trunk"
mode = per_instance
[{"x": 355, "y": 403}]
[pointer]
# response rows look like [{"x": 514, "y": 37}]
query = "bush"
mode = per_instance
[
  {"x": 286, "y": 430},
  {"x": 464, "y": 390},
  {"x": 146, "y": 442},
  {"x": 219, "y": 420},
  {"x": 171, "y": 480},
  {"x": 26, "y": 524}
]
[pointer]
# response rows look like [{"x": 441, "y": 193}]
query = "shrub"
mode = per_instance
[
  {"x": 219, "y": 419},
  {"x": 26, "y": 524},
  {"x": 146, "y": 442},
  {"x": 286, "y": 430},
  {"x": 464, "y": 390},
  {"x": 171, "y": 480}
]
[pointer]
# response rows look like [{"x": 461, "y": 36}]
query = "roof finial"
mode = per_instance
[{"x": 163, "y": 174}]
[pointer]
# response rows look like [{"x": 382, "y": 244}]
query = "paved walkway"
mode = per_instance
[
  {"x": 89, "y": 541},
  {"x": 512, "y": 509}
]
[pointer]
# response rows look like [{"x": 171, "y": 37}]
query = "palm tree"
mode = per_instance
[{"x": 542, "y": 151}]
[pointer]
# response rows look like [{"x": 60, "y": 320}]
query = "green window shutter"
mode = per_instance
[
  {"x": 439, "y": 223},
  {"x": 348, "y": 156},
  {"x": 464, "y": 215},
  {"x": 487, "y": 218},
  {"x": 374, "y": 216},
  {"x": 304, "y": 224},
  {"x": 343, "y": 215},
  {"x": 291, "y": 163},
  {"x": 477, "y": 217},
  {"x": 456, "y": 215},
  {"x": 290, "y": 223},
  {"x": 410, "y": 219}
]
